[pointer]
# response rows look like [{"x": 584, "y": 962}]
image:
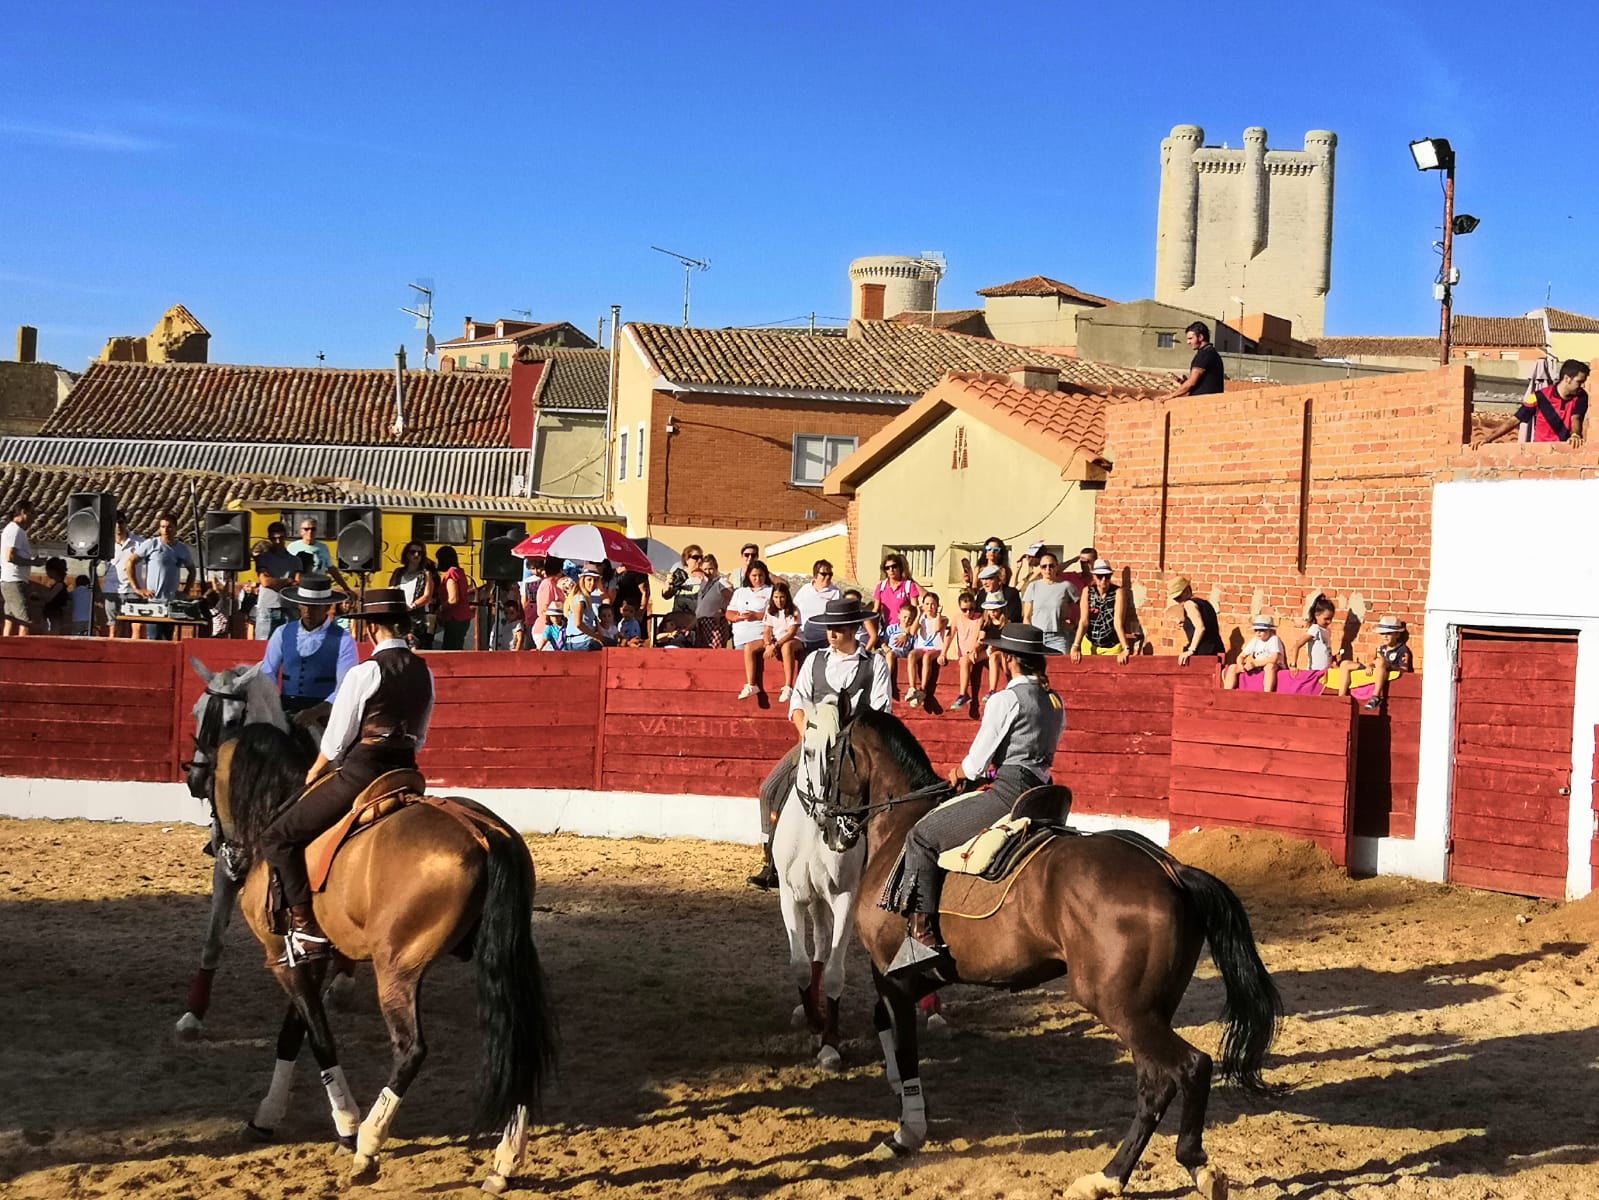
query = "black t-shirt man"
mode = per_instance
[{"x": 1206, "y": 376}]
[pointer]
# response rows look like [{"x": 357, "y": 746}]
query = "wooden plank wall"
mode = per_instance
[
  {"x": 1279, "y": 763},
  {"x": 1116, "y": 754},
  {"x": 1388, "y": 763},
  {"x": 87, "y": 708}
]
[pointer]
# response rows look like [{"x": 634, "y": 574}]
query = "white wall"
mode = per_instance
[{"x": 1515, "y": 554}]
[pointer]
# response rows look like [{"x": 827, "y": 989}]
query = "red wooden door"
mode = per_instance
[{"x": 1510, "y": 803}]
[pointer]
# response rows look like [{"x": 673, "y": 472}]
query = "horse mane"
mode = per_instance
[
  {"x": 267, "y": 771},
  {"x": 901, "y": 744}
]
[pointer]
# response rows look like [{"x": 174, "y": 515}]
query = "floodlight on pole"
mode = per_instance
[{"x": 1436, "y": 154}]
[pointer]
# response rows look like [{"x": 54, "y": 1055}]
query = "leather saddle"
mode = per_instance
[
  {"x": 1038, "y": 815},
  {"x": 386, "y": 794}
]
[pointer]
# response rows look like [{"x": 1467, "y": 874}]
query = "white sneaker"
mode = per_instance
[
  {"x": 782, "y": 696},
  {"x": 748, "y": 690}
]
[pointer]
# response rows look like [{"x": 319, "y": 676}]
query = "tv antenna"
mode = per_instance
[
  {"x": 931, "y": 265},
  {"x": 524, "y": 312},
  {"x": 689, "y": 264},
  {"x": 423, "y": 312}
]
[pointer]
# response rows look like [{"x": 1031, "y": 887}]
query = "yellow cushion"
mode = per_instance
[{"x": 972, "y": 857}]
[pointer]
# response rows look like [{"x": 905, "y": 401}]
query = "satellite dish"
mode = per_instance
[{"x": 432, "y": 346}]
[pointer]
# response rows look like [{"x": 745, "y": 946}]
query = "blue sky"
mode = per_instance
[{"x": 285, "y": 170}]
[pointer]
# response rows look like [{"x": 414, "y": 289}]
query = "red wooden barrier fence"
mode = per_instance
[
  {"x": 664, "y": 722},
  {"x": 1283, "y": 763}
]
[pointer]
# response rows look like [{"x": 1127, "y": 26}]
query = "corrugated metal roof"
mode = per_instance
[{"x": 396, "y": 468}]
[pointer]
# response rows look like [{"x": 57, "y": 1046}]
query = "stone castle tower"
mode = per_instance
[{"x": 1250, "y": 224}]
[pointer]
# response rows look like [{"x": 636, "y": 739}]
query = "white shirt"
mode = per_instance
[
  {"x": 349, "y": 703},
  {"x": 1267, "y": 647},
  {"x": 15, "y": 538},
  {"x": 998, "y": 714},
  {"x": 811, "y": 600},
  {"x": 840, "y": 670},
  {"x": 749, "y": 600}
]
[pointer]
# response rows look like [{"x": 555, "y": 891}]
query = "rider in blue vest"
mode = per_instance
[{"x": 313, "y": 654}]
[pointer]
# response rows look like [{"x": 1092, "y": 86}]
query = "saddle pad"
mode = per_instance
[
  {"x": 974, "y": 856},
  {"x": 977, "y": 898},
  {"x": 386, "y": 794}
]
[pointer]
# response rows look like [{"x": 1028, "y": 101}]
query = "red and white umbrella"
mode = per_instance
[{"x": 585, "y": 543}]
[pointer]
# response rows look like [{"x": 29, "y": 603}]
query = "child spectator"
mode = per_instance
[
  {"x": 1257, "y": 667},
  {"x": 605, "y": 626},
  {"x": 780, "y": 640},
  {"x": 927, "y": 649},
  {"x": 994, "y": 619},
  {"x": 629, "y": 629},
  {"x": 899, "y": 637},
  {"x": 505, "y": 602},
  {"x": 746, "y": 612},
  {"x": 55, "y": 604},
  {"x": 965, "y": 646},
  {"x": 554, "y": 635},
  {"x": 1318, "y": 635},
  {"x": 1393, "y": 658},
  {"x": 82, "y": 605}
]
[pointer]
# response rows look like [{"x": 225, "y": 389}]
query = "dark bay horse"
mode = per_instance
[
  {"x": 1121, "y": 918},
  {"x": 403, "y": 894}
]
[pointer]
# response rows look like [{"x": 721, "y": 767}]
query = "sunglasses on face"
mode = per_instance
[{"x": 824, "y": 574}]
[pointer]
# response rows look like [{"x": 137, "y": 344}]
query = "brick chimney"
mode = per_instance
[
  {"x": 27, "y": 343},
  {"x": 525, "y": 378},
  {"x": 1035, "y": 378},
  {"x": 872, "y": 301}
]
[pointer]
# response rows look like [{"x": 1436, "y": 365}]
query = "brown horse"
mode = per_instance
[
  {"x": 403, "y": 894},
  {"x": 1123, "y": 919}
]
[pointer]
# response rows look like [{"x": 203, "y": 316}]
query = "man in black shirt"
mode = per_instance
[{"x": 1205, "y": 374}]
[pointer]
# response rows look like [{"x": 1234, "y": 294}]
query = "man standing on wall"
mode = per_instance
[
  {"x": 16, "y": 569},
  {"x": 1206, "y": 377},
  {"x": 1557, "y": 413}
]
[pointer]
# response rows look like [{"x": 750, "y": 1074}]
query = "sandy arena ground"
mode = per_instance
[{"x": 1440, "y": 1043}]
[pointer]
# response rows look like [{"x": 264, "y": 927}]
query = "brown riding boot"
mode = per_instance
[{"x": 303, "y": 939}]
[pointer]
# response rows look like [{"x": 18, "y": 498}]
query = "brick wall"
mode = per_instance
[{"x": 731, "y": 461}]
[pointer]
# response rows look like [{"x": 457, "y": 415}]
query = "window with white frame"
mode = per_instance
[
  {"x": 816, "y": 454},
  {"x": 621, "y": 456}
]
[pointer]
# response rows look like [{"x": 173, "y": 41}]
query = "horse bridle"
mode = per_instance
[
  {"x": 851, "y": 820},
  {"x": 223, "y": 727}
]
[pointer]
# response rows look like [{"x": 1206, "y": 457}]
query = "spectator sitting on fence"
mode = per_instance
[
  {"x": 632, "y": 587},
  {"x": 993, "y": 554},
  {"x": 508, "y": 629},
  {"x": 746, "y": 613},
  {"x": 1393, "y": 658},
  {"x": 927, "y": 649},
  {"x": 896, "y": 588},
  {"x": 606, "y": 624},
  {"x": 1314, "y": 649},
  {"x": 899, "y": 637},
  {"x": 629, "y": 626},
  {"x": 1257, "y": 666},
  {"x": 54, "y": 598},
  {"x": 582, "y": 612},
  {"x": 1557, "y": 413},
  {"x": 553, "y": 636},
  {"x": 994, "y": 619},
  {"x": 778, "y": 640},
  {"x": 811, "y": 600},
  {"x": 1102, "y": 618},
  {"x": 1201, "y": 629},
  {"x": 1050, "y": 604},
  {"x": 748, "y": 555},
  {"x": 82, "y": 606},
  {"x": 966, "y": 647},
  {"x": 710, "y": 609}
]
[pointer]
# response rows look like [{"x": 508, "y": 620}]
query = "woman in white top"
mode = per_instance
[
  {"x": 710, "y": 619},
  {"x": 746, "y": 613}
]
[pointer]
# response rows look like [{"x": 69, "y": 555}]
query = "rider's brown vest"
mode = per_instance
[{"x": 395, "y": 711}]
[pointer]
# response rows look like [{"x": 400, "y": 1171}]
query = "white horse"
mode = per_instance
[
  {"x": 817, "y": 886},
  {"x": 249, "y": 698}
]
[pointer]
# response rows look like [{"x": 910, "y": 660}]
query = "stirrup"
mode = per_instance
[
  {"x": 916, "y": 957},
  {"x": 300, "y": 946}
]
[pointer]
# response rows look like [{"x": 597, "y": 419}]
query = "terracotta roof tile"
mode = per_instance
[
  {"x": 574, "y": 380},
  {"x": 1043, "y": 285},
  {"x": 1524, "y": 332},
  {"x": 970, "y": 321},
  {"x": 880, "y": 358},
  {"x": 284, "y": 404},
  {"x": 1386, "y": 347},
  {"x": 1074, "y": 419},
  {"x": 1561, "y": 321},
  {"x": 531, "y": 333}
]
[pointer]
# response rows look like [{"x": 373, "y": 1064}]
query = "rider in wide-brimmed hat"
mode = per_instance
[
  {"x": 1021, "y": 729},
  {"x": 380, "y": 719},
  {"x": 309, "y": 658},
  {"x": 839, "y": 673}
]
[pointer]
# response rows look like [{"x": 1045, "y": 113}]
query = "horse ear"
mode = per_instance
[{"x": 201, "y": 669}]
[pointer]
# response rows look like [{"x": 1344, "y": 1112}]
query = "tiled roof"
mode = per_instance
[
  {"x": 401, "y": 468},
  {"x": 142, "y": 492},
  {"x": 1561, "y": 321},
  {"x": 1066, "y": 427},
  {"x": 1385, "y": 347},
  {"x": 574, "y": 380},
  {"x": 173, "y": 401},
  {"x": 1527, "y": 332},
  {"x": 532, "y": 334},
  {"x": 973, "y": 321},
  {"x": 880, "y": 358},
  {"x": 1043, "y": 285}
]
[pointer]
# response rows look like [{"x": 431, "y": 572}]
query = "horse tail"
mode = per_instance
[
  {"x": 1253, "y": 1005},
  {"x": 514, "y": 1010}
]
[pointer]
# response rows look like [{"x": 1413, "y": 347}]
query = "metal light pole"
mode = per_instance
[{"x": 1449, "y": 252}]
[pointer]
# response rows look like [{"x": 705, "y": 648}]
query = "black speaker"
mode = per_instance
[
  {"x": 225, "y": 542},
  {"x": 495, "y": 562},
  {"x": 360, "y": 537},
  {"x": 91, "y": 524}
]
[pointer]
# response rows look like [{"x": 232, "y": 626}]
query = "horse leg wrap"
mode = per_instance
[
  {"x": 345, "y": 1114},
  {"x": 508, "y": 1156},
  {"x": 375, "y": 1129},
  {"x": 912, "y": 1130},
  {"x": 200, "y": 991},
  {"x": 890, "y": 1061},
  {"x": 274, "y": 1105}
]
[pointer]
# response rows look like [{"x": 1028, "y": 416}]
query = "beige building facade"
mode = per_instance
[{"x": 1247, "y": 229}]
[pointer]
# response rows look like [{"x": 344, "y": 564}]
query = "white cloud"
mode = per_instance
[{"x": 109, "y": 140}]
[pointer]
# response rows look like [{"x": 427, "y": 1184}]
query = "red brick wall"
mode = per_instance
[{"x": 731, "y": 461}]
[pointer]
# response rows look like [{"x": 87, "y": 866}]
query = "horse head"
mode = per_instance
[
  {"x": 825, "y": 761},
  {"x": 232, "y": 698}
]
